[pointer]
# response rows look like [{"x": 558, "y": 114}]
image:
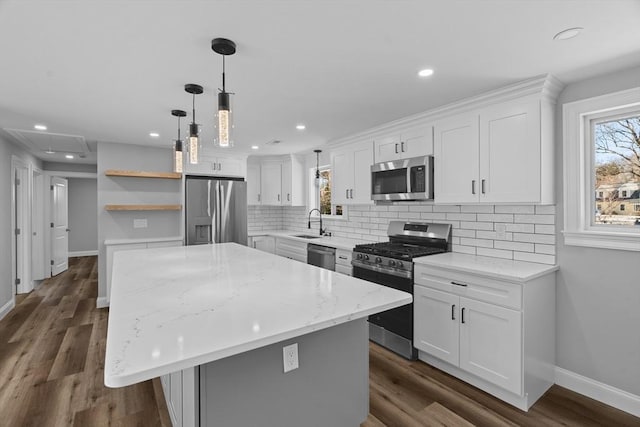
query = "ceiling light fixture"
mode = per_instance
[
  {"x": 178, "y": 160},
  {"x": 194, "y": 141},
  {"x": 254, "y": 147},
  {"x": 317, "y": 167},
  {"x": 425, "y": 73},
  {"x": 567, "y": 34},
  {"x": 50, "y": 151},
  {"x": 224, "y": 115},
  {"x": 69, "y": 156},
  {"x": 154, "y": 134},
  {"x": 301, "y": 126},
  {"x": 40, "y": 127}
]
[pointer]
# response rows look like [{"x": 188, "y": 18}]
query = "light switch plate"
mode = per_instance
[{"x": 140, "y": 223}]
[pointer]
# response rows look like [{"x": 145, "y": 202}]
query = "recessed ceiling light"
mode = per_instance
[
  {"x": 569, "y": 33},
  {"x": 426, "y": 72},
  {"x": 40, "y": 127},
  {"x": 254, "y": 147},
  {"x": 50, "y": 151},
  {"x": 154, "y": 134},
  {"x": 69, "y": 156},
  {"x": 300, "y": 126}
]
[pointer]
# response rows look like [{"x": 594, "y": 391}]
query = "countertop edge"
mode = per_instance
[
  {"x": 110, "y": 242},
  {"x": 346, "y": 244},
  {"x": 115, "y": 381}
]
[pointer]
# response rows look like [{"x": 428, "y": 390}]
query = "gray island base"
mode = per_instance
[{"x": 330, "y": 388}]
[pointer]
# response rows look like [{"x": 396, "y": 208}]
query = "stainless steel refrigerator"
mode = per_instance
[{"x": 216, "y": 210}]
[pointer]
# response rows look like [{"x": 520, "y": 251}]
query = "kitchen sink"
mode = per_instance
[{"x": 306, "y": 236}]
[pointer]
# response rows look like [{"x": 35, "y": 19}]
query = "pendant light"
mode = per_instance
[
  {"x": 194, "y": 142},
  {"x": 317, "y": 167},
  {"x": 224, "y": 115},
  {"x": 178, "y": 160}
]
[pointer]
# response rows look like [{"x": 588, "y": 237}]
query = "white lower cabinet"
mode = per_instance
[
  {"x": 263, "y": 243},
  {"x": 343, "y": 262},
  {"x": 180, "y": 394},
  {"x": 497, "y": 335},
  {"x": 292, "y": 249}
]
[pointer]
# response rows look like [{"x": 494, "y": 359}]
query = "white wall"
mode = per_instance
[
  {"x": 122, "y": 190},
  {"x": 8, "y": 149},
  {"x": 83, "y": 216},
  {"x": 598, "y": 290}
]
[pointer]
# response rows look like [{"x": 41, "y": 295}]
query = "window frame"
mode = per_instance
[
  {"x": 313, "y": 202},
  {"x": 578, "y": 176}
]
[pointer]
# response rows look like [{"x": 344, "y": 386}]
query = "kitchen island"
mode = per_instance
[{"x": 222, "y": 314}]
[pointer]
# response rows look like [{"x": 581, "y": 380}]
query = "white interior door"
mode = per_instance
[
  {"x": 37, "y": 226},
  {"x": 59, "y": 225},
  {"x": 20, "y": 228}
]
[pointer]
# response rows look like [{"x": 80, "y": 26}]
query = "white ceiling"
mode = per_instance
[{"x": 113, "y": 70}]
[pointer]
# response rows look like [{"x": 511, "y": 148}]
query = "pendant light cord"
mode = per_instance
[
  {"x": 194, "y": 108},
  {"x": 223, "y": 77}
]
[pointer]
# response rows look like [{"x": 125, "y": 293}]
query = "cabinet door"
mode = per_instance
[
  {"x": 264, "y": 243},
  {"x": 176, "y": 398},
  {"x": 456, "y": 167},
  {"x": 360, "y": 192},
  {"x": 253, "y": 184},
  {"x": 417, "y": 142},
  {"x": 387, "y": 148},
  {"x": 229, "y": 166},
  {"x": 436, "y": 323},
  {"x": 342, "y": 170},
  {"x": 271, "y": 183},
  {"x": 287, "y": 187},
  {"x": 510, "y": 153},
  {"x": 491, "y": 343}
]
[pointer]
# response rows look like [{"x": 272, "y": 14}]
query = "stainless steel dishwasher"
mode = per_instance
[{"x": 322, "y": 256}]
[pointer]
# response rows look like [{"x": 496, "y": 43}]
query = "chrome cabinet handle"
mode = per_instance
[
  {"x": 258, "y": 197},
  {"x": 473, "y": 186},
  {"x": 396, "y": 148},
  {"x": 351, "y": 193},
  {"x": 278, "y": 197},
  {"x": 346, "y": 193},
  {"x": 288, "y": 197},
  {"x": 402, "y": 147},
  {"x": 453, "y": 310},
  {"x": 482, "y": 186},
  {"x": 459, "y": 284},
  {"x": 219, "y": 166},
  {"x": 462, "y": 314}
]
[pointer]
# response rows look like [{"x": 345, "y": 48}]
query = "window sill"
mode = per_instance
[{"x": 603, "y": 240}]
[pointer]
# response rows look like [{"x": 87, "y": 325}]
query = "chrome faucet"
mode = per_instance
[{"x": 309, "y": 222}]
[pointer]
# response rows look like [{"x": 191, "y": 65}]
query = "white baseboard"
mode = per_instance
[
  {"x": 5, "y": 309},
  {"x": 604, "y": 393},
  {"x": 102, "y": 302},
  {"x": 83, "y": 253}
]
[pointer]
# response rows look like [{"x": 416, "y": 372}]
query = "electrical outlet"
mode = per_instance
[
  {"x": 501, "y": 231},
  {"x": 140, "y": 223},
  {"x": 290, "y": 357}
]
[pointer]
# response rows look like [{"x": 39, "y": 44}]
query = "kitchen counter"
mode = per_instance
[
  {"x": 332, "y": 242},
  {"x": 180, "y": 307},
  {"x": 498, "y": 268}
]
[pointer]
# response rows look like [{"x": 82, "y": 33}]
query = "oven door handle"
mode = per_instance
[{"x": 398, "y": 273}]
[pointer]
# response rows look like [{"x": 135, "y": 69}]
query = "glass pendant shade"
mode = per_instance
[
  {"x": 178, "y": 159},
  {"x": 224, "y": 121},
  {"x": 194, "y": 143}
]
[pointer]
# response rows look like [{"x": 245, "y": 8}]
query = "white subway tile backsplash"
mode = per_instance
[
  {"x": 529, "y": 230},
  {"x": 514, "y": 246},
  {"x": 495, "y": 253},
  {"x": 519, "y": 209},
  {"x": 495, "y": 218}
]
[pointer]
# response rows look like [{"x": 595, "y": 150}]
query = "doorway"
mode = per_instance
[{"x": 20, "y": 227}]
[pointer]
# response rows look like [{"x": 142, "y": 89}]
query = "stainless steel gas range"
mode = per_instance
[{"x": 391, "y": 264}]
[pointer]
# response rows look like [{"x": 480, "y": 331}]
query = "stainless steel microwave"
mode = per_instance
[{"x": 406, "y": 179}]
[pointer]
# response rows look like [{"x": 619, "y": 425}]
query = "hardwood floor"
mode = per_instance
[{"x": 51, "y": 374}]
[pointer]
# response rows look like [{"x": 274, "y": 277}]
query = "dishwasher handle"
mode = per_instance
[{"x": 320, "y": 249}]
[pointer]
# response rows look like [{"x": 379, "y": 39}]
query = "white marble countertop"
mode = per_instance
[
  {"x": 178, "y": 307},
  {"x": 332, "y": 242},
  {"x": 520, "y": 271},
  {"x": 109, "y": 242}
]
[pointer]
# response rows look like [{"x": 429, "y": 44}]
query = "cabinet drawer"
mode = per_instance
[
  {"x": 343, "y": 257},
  {"x": 292, "y": 249},
  {"x": 492, "y": 291},
  {"x": 344, "y": 269}
]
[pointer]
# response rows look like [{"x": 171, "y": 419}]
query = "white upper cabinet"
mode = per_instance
[
  {"x": 211, "y": 163},
  {"x": 497, "y": 154},
  {"x": 410, "y": 143},
  {"x": 276, "y": 181},
  {"x": 351, "y": 167}
]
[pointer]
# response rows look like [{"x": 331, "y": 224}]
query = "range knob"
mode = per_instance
[
  {"x": 392, "y": 263},
  {"x": 400, "y": 265},
  {"x": 366, "y": 257},
  {"x": 378, "y": 260},
  {"x": 359, "y": 256}
]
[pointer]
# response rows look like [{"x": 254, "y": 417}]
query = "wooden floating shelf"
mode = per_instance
[
  {"x": 143, "y": 174},
  {"x": 143, "y": 207}
]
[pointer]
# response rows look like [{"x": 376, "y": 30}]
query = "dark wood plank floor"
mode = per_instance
[{"x": 52, "y": 358}]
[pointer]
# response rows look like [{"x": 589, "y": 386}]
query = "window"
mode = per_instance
[
  {"x": 636, "y": 207},
  {"x": 601, "y": 167},
  {"x": 320, "y": 193}
]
